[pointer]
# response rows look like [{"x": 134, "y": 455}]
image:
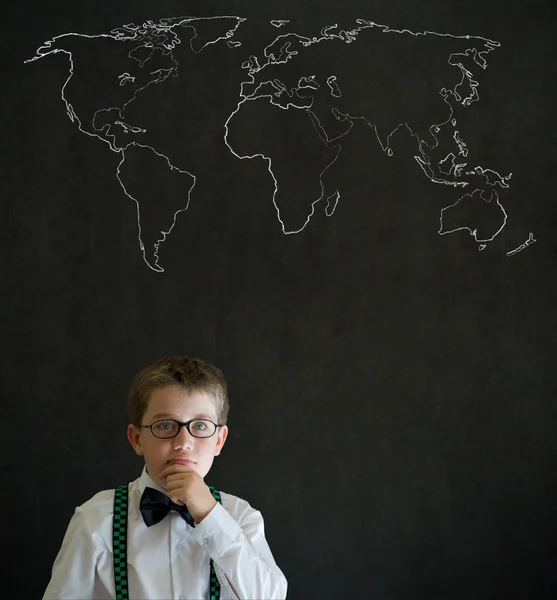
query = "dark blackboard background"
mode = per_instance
[{"x": 435, "y": 360}]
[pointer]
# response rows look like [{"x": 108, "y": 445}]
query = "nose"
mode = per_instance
[{"x": 184, "y": 439}]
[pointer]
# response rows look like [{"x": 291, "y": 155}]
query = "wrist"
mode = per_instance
[{"x": 199, "y": 515}]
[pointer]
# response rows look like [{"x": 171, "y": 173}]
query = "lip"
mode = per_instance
[{"x": 187, "y": 462}]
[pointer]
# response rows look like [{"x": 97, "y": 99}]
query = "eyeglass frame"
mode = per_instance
[{"x": 181, "y": 424}]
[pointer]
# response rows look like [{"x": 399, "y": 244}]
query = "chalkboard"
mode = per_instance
[{"x": 349, "y": 207}]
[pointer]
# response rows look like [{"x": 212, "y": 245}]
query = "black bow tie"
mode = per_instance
[{"x": 154, "y": 506}]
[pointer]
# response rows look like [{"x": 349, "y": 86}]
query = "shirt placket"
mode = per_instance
[{"x": 174, "y": 550}]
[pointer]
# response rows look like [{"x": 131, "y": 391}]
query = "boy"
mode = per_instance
[{"x": 181, "y": 542}]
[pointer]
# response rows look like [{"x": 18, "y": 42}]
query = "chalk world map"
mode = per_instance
[{"x": 147, "y": 91}]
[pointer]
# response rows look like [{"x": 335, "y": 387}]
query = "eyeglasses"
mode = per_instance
[{"x": 169, "y": 428}]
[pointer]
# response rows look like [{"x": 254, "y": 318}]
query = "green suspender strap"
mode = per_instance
[
  {"x": 214, "y": 584},
  {"x": 120, "y": 542},
  {"x": 120, "y": 546}
]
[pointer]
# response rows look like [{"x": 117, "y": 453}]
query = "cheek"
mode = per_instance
[
  {"x": 155, "y": 452},
  {"x": 213, "y": 450}
]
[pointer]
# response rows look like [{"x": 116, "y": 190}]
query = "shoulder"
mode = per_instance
[
  {"x": 91, "y": 523},
  {"x": 96, "y": 514},
  {"x": 100, "y": 504}
]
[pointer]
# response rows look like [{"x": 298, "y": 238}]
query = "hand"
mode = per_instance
[{"x": 186, "y": 486}]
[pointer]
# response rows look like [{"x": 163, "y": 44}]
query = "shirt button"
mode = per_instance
[
  {"x": 205, "y": 541},
  {"x": 182, "y": 597}
]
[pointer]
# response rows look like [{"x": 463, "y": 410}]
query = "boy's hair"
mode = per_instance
[{"x": 192, "y": 374}]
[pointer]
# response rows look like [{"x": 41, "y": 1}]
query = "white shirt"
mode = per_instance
[{"x": 169, "y": 559}]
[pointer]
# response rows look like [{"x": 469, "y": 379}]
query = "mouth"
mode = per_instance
[{"x": 187, "y": 462}]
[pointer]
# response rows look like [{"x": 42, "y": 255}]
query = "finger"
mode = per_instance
[
  {"x": 175, "y": 468},
  {"x": 175, "y": 477},
  {"x": 179, "y": 480}
]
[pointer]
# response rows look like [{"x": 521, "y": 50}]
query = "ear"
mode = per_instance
[
  {"x": 134, "y": 437},
  {"x": 221, "y": 438}
]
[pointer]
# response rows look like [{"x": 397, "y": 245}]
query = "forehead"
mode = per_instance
[{"x": 175, "y": 400}]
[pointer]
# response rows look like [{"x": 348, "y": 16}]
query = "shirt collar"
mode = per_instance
[{"x": 146, "y": 481}]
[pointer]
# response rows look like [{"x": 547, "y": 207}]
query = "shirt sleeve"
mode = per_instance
[
  {"x": 74, "y": 569},
  {"x": 240, "y": 552}
]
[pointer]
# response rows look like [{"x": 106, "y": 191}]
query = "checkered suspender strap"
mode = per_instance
[
  {"x": 120, "y": 546},
  {"x": 214, "y": 584},
  {"x": 120, "y": 542}
]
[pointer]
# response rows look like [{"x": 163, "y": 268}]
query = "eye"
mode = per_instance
[
  {"x": 164, "y": 425},
  {"x": 199, "y": 425}
]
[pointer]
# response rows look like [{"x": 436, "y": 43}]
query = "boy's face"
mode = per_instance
[{"x": 173, "y": 402}]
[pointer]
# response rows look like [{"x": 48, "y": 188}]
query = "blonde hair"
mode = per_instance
[{"x": 192, "y": 374}]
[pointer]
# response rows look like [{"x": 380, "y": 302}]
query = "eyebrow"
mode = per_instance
[{"x": 173, "y": 416}]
